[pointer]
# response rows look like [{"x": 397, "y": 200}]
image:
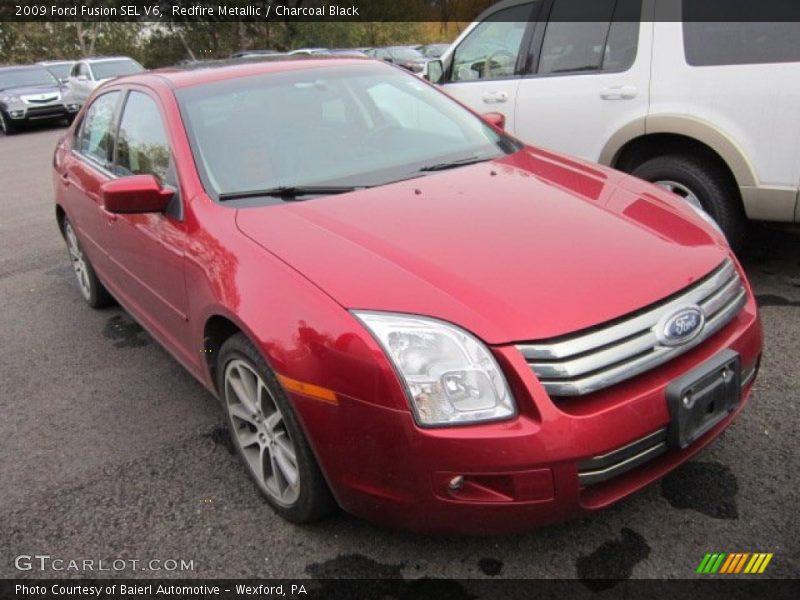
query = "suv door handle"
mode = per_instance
[
  {"x": 619, "y": 92},
  {"x": 495, "y": 97}
]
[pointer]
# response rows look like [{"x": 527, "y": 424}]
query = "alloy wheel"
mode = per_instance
[
  {"x": 78, "y": 261},
  {"x": 261, "y": 433},
  {"x": 681, "y": 190}
]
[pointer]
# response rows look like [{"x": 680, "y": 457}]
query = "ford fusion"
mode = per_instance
[{"x": 402, "y": 310}]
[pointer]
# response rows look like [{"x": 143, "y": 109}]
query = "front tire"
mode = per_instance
[
  {"x": 92, "y": 290},
  {"x": 6, "y": 126},
  {"x": 267, "y": 434},
  {"x": 703, "y": 184}
]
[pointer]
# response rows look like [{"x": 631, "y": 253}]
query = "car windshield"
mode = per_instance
[
  {"x": 61, "y": 71},
  {"x": 12, "y": 78},
  {"x": 355, "y": 125},
  {"x": 115, "y": 68},
  {"x": 404, "y": 53}
]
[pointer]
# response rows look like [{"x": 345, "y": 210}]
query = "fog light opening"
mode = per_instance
[{"x": 456, "y": 483}]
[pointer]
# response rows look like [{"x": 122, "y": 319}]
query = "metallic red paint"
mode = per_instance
[{"x": 572, "y": 245}]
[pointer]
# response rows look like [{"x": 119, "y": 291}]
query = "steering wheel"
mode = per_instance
[{"x": 487, "y": 64}]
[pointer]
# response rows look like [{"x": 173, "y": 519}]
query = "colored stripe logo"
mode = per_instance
[{"x": 734, "y": 563}]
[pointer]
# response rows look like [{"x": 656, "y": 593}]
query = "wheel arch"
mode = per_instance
[
  {"x": 218, "y": 328},
  {"x": 61, "y": 216},
  {"x": 677, "y": 134}
]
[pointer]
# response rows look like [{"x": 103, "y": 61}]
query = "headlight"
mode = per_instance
[
  {"x": 9, "y": 99},
  {"x": 450, "y": 377}
]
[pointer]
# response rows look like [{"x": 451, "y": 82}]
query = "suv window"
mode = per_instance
[
  {"x": 142, "y": 146},
  {"x": 581, "y": 36},
  {"x": 83, "y": 69},
  {"x": 96, "y": 134},
  {"x": 734, "y": 43},
  {"x": 491, "y": 50}
]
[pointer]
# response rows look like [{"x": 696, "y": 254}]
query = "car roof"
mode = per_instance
[
  {"x": 96, "y": 59},
  {"x": 20, "y": 67},
  {"x": 223, "y": 70},
  {"x": 48, "y": 63}
]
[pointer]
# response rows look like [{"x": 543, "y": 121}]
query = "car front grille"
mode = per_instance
[
  {"x": 595, "y": 359},
  {"x": 45, "y": 112}
]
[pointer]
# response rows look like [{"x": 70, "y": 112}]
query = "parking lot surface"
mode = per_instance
[{"x": 110, "y": 450}]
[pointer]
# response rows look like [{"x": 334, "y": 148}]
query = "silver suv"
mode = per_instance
[
  {"x": 29, "y": 93},
  {"x": 88, "y": 73}
]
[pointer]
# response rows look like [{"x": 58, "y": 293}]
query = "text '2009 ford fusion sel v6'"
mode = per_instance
[{"x": 404, "y": 311}]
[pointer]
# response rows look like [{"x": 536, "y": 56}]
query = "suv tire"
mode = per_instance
[{"x": 708, "y": 183}]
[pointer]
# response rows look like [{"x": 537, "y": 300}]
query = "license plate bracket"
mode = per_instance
[{"x": 701, "y": 398}]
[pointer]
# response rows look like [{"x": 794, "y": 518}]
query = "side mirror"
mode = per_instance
[
  {"x": 495, "y": 119},
  {"x": 433, "y": 71},
  {"x": 135, "y": 194}
]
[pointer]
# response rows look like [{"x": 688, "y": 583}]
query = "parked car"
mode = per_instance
[
  {"x": 706, "y": 108},
  {"x": 433, "y": 50},
  {"x": 249, "y": 53},
  {"x": 404, "y": 56},
  {"x": 87, "y": 74},
  {"x": 59, "y": 69},
  {"x": 30, "y": 93},
  {"x": 311, "y": 51},
  {"x": 352, "y": 52},
  {"x": 402, "y": 309}
]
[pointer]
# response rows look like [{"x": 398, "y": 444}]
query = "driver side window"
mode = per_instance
[{"x": 490, "y": 51}]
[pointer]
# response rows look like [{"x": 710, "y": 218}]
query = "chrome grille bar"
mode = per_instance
[{"x": 583, "y": 363}]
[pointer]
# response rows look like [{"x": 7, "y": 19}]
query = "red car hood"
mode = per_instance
[{"x": 527, "y": 247}]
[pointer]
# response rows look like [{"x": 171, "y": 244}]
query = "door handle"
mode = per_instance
[
  {"x": 495, "y": 97},
  {"x": 619, "y": 92}
]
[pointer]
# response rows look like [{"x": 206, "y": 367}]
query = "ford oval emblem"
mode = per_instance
[{"x": 682, "y": 326}]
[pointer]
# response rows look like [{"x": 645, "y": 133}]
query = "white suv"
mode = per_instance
[
  {"x": 708, "y": 109},
  {"x": 89, "y": 73}
]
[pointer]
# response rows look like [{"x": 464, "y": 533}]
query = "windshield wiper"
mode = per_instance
[
  {"x": 454, "y": 163},
  {"x": 292, "y": 192}
]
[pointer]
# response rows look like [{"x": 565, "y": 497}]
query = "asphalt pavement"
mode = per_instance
[{"x": 109, "y": 450}]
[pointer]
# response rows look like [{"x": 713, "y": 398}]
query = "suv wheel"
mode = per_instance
[
  {"x": 6, "y": 127},
  {"x": 95, "y": 294},
  {"x": 268, "y": 436},
  {"x": 702, "y": 184}
]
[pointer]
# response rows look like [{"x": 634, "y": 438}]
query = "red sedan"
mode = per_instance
[{"x": 403, "y": 310}]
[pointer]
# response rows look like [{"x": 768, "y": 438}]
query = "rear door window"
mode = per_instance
[{"x": 598, "y": 36}]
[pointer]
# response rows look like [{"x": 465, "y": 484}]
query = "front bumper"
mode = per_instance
[
  {"x": 23, "y": 113},
  {"x": 517, "y": 474}
]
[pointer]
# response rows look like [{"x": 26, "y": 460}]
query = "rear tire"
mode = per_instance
[
  {"x": 700, "y": 181},
  {"x": 268, "y": 436},
  {"x": 92, "y": 290}
]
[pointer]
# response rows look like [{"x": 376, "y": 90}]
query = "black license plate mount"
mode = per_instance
[{"x": 703, "y": 397}]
